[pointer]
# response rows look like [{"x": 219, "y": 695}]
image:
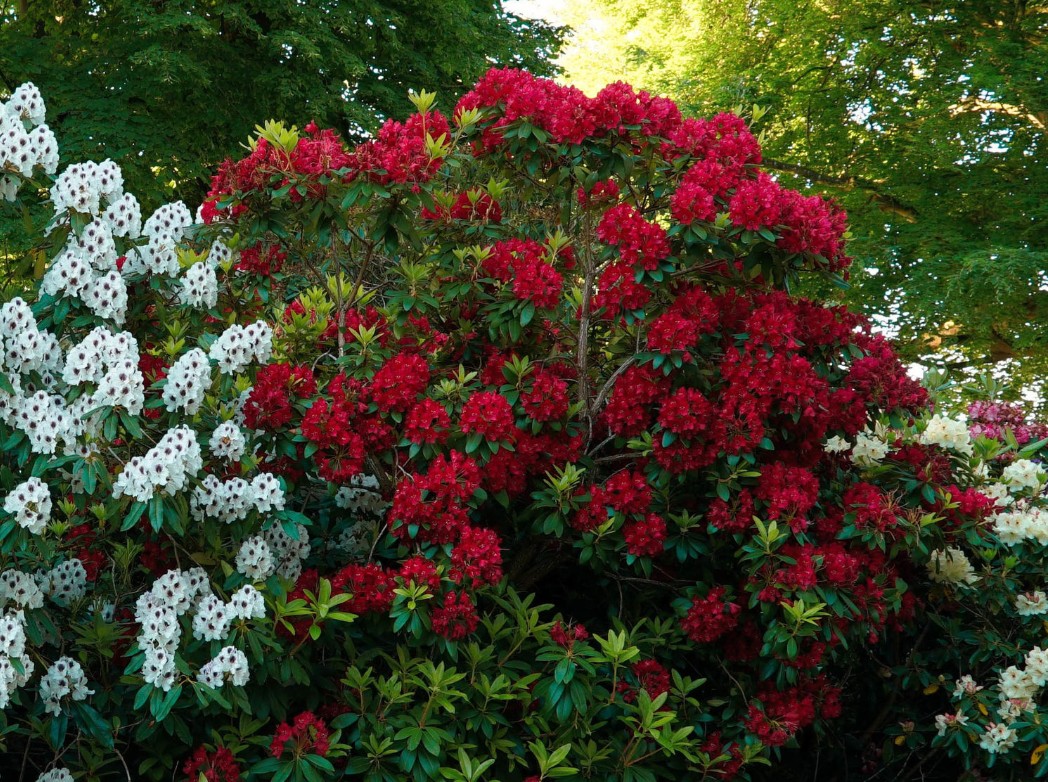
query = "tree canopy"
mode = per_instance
[
  {"x": 926, "y": 120},
  {"x": 170, "y": 88}
]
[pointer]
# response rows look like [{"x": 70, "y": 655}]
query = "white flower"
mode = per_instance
[
  {"x": 951, "y": 566},
  {"x": 868, "y": 450},
  {"x": 65, "y": 678},
  {"x": 212, "y": 619},
  {"x": 1023, "y": 474},
  {"x": 227, "y": 442},
  {"x": 247, "y": 603},
  {"x": 229, "y": 664},
  {"x": 1031, "y": 603},
  {"x": 200, "y": 286},
  {"x": 836, "y": 444},
  {"x": 238, "y": 346},
  {"x": 255, "y": 560},
  {"x": 68, "y": 581},
  {"x": 187, "y": 382},
  {"x": 945, "y": 721},
  {"x": 288, "y": 552},
  {"x": 55, "y": 775},
  {"x": 21, "y": 589},
  {"x": 1016, "y": 684},
  {"x": 998, "y": 739},
  {"x": 951, "y": 433},
  {"x": 166, "y": 466},
  {"x": 1037, "y": 666},
  {"x": 965, "y": 686},
  {"x": 30, "y": 504}
]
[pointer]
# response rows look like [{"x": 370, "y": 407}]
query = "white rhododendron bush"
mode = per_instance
[{"x": 271, "y": 516}]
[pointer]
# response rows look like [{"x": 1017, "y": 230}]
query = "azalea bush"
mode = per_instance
[
  {"x": 966, "y": 684},
  {"x": 496, "y": 447}
]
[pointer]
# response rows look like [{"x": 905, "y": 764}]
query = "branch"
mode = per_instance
[
  {"x": 884, "y": 201},
  {"x": 1038, "y": 119}
]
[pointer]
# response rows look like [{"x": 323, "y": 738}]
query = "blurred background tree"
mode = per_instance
[
  {"x": 926, "y": 120},
  {"x": 169, "y": 88}
]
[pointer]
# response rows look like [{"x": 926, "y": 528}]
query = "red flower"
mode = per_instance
[
  {"x": 710, "y": 617},
  {"x": 477, "y": 557},
  {"x": 307, "y": 735},
  {"x": 217, "y": 766},
  {"x": 456, "y": 618},
  {"x": 488, "y": 414}
]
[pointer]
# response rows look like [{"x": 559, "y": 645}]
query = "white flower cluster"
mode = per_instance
[
  {"x": 158, "y": 612},
  {"x": 65, "y": 678},
  {"x": 998, "y": 738},
  {"x": 25, "y": 141},
  {"x": 21, "y": 589},
  {"x": 86, "y": 267},
  {"x": 12, "y": 647},
  {"x": 55, "y": 775},
  {"x": 255, "y": 560},
  {"x": 213, "y": 617},
  {"x": 232, "y": 500},
  {"x": 1031, "y": 603},
  {"x": 288, "y": 552},
  {"x": 361, "y": 496},
  {"x": 951, "y": 433},
  {"x": 166, "y": 466},
  {"x": 66, "y": 581},
  {"x": 869, "y": 449},
  {"x": 164, "y": 229},
  {"x": 356, "y": 540},
  {"x": 110, "y": 362},
  {"x": 227, "y": 442},
  {"x": 238, "y": 346},
  {"x": 951, "y": 566},
  {"x": 1023, "y": 522},
  {"x": 82, "y": 187},
  {"x": 24, "y": 347},
  {"x": 1023, "y": 474},
  {"x": 200, "y": 286},
  {"x": 187, "y": 382},
  {"x": 173, "y": 595},
  {"x": 228, "y": 665},
  {"x": 30, "y": 504}
]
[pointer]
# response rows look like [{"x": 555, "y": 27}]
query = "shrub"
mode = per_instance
[{"x": 496, "y": 447}]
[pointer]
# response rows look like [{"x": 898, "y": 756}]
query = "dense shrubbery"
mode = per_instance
[{"x": 494, "y": 448}]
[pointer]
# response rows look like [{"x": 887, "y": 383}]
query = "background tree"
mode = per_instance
[
  {"x": 170, "y": 88},
  {"x": 926, "y": 120}
]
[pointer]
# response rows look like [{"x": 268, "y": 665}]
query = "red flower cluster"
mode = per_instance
[
  {"x": 566, "y": 113},
  {"x": 433, "y": 506},
  {"x": 268, "y": 406},
  {"x": 456, "y": 618},
  {"x": 477, "y": 556},
  {"x": 263, "y": 261},
  {"x": 488, "y": 414},
  {"x": 710, "y": 617},
  {"x": 641, "y": 244},
  {"x": 566, "y": 636},
  {"x": 523, "y": 264},
  {"x": 399, "y": 383},
  {"x": 473, "y": 205},
  {"x": 307, "y": 735},
  {"x": 398, "y": 153},
  {"x": 646, "y": 537},
  {"x": 217, "y": 766}
]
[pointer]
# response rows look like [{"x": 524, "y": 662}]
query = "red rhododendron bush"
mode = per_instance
[{"x": 496, "y": 447}]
